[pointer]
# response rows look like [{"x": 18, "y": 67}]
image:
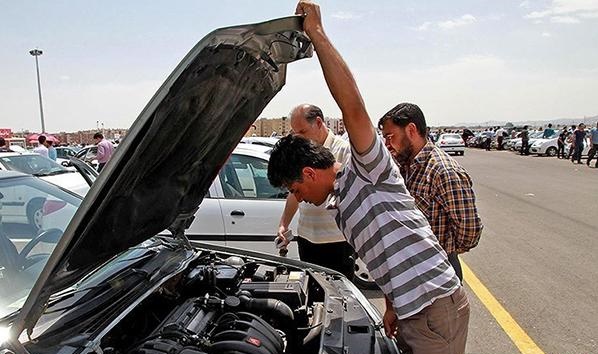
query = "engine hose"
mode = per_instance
[
  {"x": 273, "y": 307},
  {"x": 316, "y": 324}
]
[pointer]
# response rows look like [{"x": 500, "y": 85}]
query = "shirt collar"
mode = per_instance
[
  {"x": 423, "y": 155},
  {"x": 329, "y": 139}
]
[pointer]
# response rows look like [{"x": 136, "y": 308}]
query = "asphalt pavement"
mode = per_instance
[{"x": 538, "y": 255}]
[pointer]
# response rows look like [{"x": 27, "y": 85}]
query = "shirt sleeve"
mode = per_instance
[
  {"x": 456, "y": 197},
  {"x": 375, "y": 164},
  {"x": 101, "y": 152}
]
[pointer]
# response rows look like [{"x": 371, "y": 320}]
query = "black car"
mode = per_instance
[{"x": 98, "y": 279}]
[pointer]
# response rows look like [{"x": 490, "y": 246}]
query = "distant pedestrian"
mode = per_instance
[
  {"x": 571, "y": 142},
  {"x": 4, "y": 146},
  {"x": 41, "y": 148},
  {"x": 594, "y": 142},
  {"x": 524, "y": 141},
  {"x": 560, "y": 152},
  {"x": 548, "y": 132},
  {"x": 500, "y": 136},
  {"x": 105, "y": 150},
  {"x": 52, "y": 154},
  {"x": 578, "y": 137}
]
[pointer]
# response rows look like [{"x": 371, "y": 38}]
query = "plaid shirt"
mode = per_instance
[{"x": 443, "y": 192}]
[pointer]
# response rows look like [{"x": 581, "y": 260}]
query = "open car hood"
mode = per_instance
[{"x": 161, "y": 171}]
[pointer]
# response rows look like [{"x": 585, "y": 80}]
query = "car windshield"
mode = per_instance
[
  {"x": 32, "y": 164},
  {"x": 26, "y": 203}
]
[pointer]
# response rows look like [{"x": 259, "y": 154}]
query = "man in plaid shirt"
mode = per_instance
[{"x": 440, "y": 185}]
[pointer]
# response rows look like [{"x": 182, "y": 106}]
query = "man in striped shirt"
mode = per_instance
[{"x": 376, "y": 213}]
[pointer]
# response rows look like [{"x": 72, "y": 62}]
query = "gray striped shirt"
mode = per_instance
[{"x": 379, "y": 218}]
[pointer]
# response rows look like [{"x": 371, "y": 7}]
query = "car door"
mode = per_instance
[
  {"x": 251, "y": 206},
  {"x": 208, "y": 225}
]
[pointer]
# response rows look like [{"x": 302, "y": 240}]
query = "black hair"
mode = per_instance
[
  {"x": 403, "y": 114},
  {"x": 98, "y": 135},
  {"x": 41, "y": 139},
  {"x": 291, "y": 154}
]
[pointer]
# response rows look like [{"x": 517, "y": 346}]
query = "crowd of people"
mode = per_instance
[
  {"x": 571, "y": 140},
  {"x": 401, "y": 203}
]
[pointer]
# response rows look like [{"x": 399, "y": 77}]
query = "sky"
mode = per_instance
[{"x": 460, "y": 61}]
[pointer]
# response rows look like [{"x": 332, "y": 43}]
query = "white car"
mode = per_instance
[
  {"x": 548, "y": 146},
  {"x": 44, "y": 168},
  {"x": 451, "y": 143},
  {"x": 243, "y": 210},
  {"x": 259, "y": 140}
]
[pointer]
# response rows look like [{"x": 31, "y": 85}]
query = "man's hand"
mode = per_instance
[
  {"x": 281, "y": 240},
  {"x": 390, "y": 321},
  {"x": 312, "y": 19}
]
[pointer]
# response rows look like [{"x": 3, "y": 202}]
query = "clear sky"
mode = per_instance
[{"x": 461, "y": 61}]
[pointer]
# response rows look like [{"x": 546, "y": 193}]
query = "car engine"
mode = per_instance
[{"x": 226, "y": 306}]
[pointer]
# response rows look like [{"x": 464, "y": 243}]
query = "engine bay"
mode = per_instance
[{"x": 225, "y": 304}]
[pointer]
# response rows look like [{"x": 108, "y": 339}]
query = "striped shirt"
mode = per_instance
[
  {"x": 379, "y": 218},
  {"x": 443, "y": 192},
  {"x": 315, "y": 222}
]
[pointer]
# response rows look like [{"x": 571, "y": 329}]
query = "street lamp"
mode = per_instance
[{"x": 36, "y": 52}]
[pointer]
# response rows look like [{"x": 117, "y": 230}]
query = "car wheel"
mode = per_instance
[
  {"x": 35, "y": 213},
  {"x": 551, "y": 151},
  {"x": 362, "y": 277}
]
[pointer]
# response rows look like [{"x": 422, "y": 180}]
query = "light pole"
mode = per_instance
[{"x": 36, "y": 52}]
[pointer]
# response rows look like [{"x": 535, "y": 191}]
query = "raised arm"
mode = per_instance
[{"x": 340, "y": 81}]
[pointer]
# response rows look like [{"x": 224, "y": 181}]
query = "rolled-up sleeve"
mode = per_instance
[{"x": 457, "y": 198}]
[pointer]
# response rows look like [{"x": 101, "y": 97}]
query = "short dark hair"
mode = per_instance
[
  {"x": 549, "y": 125},
  {"x": 98, "y": 136},
  {"x": 403, "y": 114},
  {"x": 41, "y": 139},
  {"x": 291, "y": 154}
]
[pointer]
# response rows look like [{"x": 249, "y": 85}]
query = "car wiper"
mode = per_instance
[{"x": 52, "y": 173}]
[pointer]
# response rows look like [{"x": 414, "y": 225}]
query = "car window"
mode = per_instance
[
  {"x": 247, "y": 177},
  {"x": 33, "y": 216}
]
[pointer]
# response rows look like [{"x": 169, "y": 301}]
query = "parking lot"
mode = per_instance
[{"x": 536, "y": 258}]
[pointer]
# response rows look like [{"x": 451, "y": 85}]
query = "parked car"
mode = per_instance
[
  {"x": 110, "y": 285},
  {"x": 258, "y": 140},
  {"x": 242, "y": 209},
  {"x": 533, "y": 136},
  {"x": 451, "y": 143},
  {"x": 44, "y": 168},
  {"x": 48, "y": 170},
  {"x": 548, "y": 146},
  {"x": 88, "y": 155},
  {"x": 63, "y": 155}
]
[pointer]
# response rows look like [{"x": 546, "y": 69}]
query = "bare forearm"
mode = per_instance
[
  {"x": 290, "y": 208},
  {"x": 345, "y": 92}
]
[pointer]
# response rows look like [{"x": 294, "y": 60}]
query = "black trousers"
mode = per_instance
[
  {"x": 524, "y": 147},
  {"x": 577, "y": 153},
  {"x": 333, "y": 255},
  {"x": 499, "y": 143},
  {"x": 593, "y": 151},
  {"x": 560, "y": 152}
]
